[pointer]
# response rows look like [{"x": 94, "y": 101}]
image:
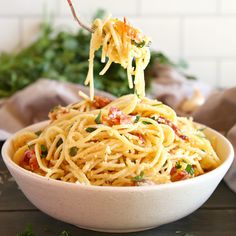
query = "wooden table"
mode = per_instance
[{"x": 216, "y": 217}]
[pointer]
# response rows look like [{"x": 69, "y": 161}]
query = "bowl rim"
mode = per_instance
[{"x": 46, "y": 180}]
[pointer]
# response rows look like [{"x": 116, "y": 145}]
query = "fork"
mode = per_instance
[{"x": 77, "y": 18}]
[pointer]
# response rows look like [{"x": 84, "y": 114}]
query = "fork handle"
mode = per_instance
[{"x": 77, "y": 19}]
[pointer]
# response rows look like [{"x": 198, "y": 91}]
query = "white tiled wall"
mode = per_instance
[{"x": 201, "y": 31}]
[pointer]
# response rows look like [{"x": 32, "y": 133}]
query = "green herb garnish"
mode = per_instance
[
  {"x": 90, "y": 129},
  {"x": 136, "y": 119},
  {"x": 44, "y": 151},
  {"x": 98, "y": 118},
  {"x": 38, "y": 132},
  {"x": 52, "y": 50},
  {"x": 201, "y": 129},
  {"x": 28, "y": 231},
  {"x": 136, "y": 93},
  {"x": 59, "y": 142},
  {"x": 139, "y": 45},
  {"x": 200, "y": 136},
  {"x": 73, "y": 151},
  {"x": 138, "y": 177},
  {"x": 65, "y": 233},
  {"x": 178, "y": 165},
  {"x": 146, "y": 122},
  {"x": 55, "y": 108},
  {"x": 189, "y": 169}
]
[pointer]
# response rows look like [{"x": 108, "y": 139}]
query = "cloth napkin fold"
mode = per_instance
[
  {"x": 33, "y": 103},
  {"x": 219, "y": 113}
]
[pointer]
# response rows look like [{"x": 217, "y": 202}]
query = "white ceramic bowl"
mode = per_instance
[{"x": 119, "y": 209}]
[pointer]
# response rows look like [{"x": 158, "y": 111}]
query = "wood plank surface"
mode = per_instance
[{"x": 203, "y": 222}]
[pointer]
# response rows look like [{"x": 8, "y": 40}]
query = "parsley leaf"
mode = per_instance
[
  {"x": 28, "y": 231},
  {"x": 38, "y": 132},
  {"x": 73, "y": 151},
  {"x": 139, "y": 45},
  {"x": 98, "y": 118},
  {"x": 136, "y": 93},
  {"x": 146, "y": 122},
  {"x": 136, "y": 119},
  {"x": 90, "y": 129},
  {"x": 201, "y": 129},
  {"x": 44, "y": 151},
  {"x": 189, "y": 169},
  {"x": 65, "y": 233},
  {"x": 178, "y": 165},
  {"x": 55, "y": 108},
  {"x": 138, "y": 177},
  {"x": 59, "y": 142}
]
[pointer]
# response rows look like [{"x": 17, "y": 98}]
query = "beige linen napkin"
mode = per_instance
[
  {"x": 219, "y": 113},
  {"x": 33, "y": 103}
]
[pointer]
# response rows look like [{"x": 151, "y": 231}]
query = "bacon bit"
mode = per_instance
[
  {"x": 141, "y": 138},
  {"x": 29, "y": 160},
  {"x": 177, "y": 175},
  {"x": 117, "y": 117},
  {"x": 163, "y": 120},
  {"x": 100, "y": 102},
  {"x": 133, "y": 33}
]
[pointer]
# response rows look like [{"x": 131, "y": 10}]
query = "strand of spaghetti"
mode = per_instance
[
  {"x": 76, "y": 170},
  {"x": 115, "y": 38},
  {"x": 39, "y": 160},
  {"x": 104, "y": 47},
  {"x": 80, "y": 176},
  {"x": 106, "y": 67},
  {"x": 116, "y": 134}
]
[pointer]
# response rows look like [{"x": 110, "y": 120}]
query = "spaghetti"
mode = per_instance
[
  {"x": 121, "y": 43},
  {"x": 130, "y": 141},
  {"x": 126, "y": 142}
]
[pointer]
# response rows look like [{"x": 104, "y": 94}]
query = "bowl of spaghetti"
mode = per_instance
[{"x": 118, "y": 166}]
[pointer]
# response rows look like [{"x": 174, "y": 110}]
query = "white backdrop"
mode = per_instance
[{"x": 201, "y": 31}]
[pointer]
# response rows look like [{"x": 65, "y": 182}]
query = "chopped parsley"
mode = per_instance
[
  {"x": 55, "y": 108},
  {"x": 136, "y": 119},
  {"x": 146, "y": 122},
  {"x": 73, "y": 151},
  {"x": 65, "y": 233},
  {"x": 138, "y": 177},
  {"x": 139, "y": 45},
  {"x": 44, "y": 151},
  {"x": 200, "y": 136},
  {"x": 201, "y": 129},
  {"x": 189, "y": 169},
  {"x": 90, "y": 129},
  {"x": 38, "y": 132},
  {"x": 136, "y": 93},
  {"x": 98, "y": 118},
  {"x": 178, "y": 165},
  {"x": 28, "y": 231},
  {"x": 59, "y": 142}
]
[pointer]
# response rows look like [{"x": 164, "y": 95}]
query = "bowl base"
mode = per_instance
[{"x": 115, "y": 230}]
